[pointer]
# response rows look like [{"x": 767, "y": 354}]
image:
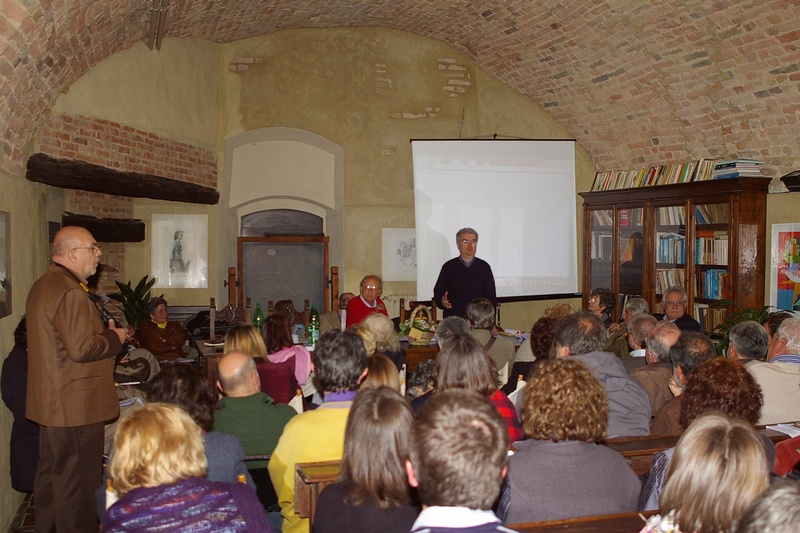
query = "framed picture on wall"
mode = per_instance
[
  {"x": 179, "y": 257},
  {"x": 5, "y": 262},
  {"x": 785, "y": 278}
]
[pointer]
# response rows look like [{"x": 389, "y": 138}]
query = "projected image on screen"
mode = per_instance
[{"x": 518, "y": 195}]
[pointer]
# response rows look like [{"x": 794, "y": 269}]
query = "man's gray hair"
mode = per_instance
[
  {"x": 639, "y": 326},
  {"x": 481, "y": 313},
  {"x": 776, "y": 510},
  {"x": 240, "y": 377},
  {"x": 750, "y": 339},
  {"x": 468, "y": 231},
  {"x": 675, "y": 288},
  {"x": 449, "y": 328},
  {"x": 580, "y": 333},
  {"x": 365, "y": 278},
  {"x": 789, "y": 331},
  {"x": 637, "y": 306},
  {"x": 661, "y": 338}
]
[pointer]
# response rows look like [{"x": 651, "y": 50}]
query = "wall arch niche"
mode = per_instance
[{"x": 279, "y": 169}]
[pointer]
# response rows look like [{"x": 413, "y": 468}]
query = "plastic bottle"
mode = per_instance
[
  {"x": 258, "y": 316},
  {"x": 313, "y": 325}
]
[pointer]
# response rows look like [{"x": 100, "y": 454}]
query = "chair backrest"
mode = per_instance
[
  {"x": 229, "y": 314},
  {"x": 406, "y": 313}
]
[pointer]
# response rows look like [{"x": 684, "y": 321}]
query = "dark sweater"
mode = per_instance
[
  {"x": 463, "y": 284},
  {"x": 333, "y": 515}
]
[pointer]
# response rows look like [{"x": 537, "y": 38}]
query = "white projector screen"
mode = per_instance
[{"x": 519, "y": 195}]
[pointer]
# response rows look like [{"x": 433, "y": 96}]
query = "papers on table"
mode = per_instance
[{"x": 793, "y": 430}]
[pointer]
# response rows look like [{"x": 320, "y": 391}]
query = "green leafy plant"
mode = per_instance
[
  {"x": 740, "y": 315},
  {"x": 134, "y": 300}
]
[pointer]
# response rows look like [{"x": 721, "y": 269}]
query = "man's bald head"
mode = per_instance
[
  {"x": 74, "y": 248},
  {"x": 660, "y": 339},
  {"x": 238, "y": 376}
]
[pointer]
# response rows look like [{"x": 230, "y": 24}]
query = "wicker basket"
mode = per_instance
[{"x": 416, "y": 336}]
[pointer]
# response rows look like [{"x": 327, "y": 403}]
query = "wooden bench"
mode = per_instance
[
  {"x": 611, "y": 523},
  {"x": 309, "y": 480}
]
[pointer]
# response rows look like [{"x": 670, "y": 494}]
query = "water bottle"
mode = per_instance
[
  {"x": 313, "y": 325},
  {"x": 258, "y": 317}
]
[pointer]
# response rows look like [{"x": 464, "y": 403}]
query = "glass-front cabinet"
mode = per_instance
[{"x": 707, "y": 237}]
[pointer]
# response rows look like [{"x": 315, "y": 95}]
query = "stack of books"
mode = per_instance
[
  {"x": 745, "y": 168},
  {"x": 700, "y": 170}
]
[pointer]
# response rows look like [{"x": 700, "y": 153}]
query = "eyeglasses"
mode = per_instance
[
  {"x": 94, "y": 248},
  {"x": 370, "y": 287},
  {"x": 593, "y": 299},
  {"x": 676, "y": 303},
  {"x": 469, "y": 241}
]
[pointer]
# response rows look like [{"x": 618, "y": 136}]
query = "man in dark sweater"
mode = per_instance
[{"x": 464, "y": 278}]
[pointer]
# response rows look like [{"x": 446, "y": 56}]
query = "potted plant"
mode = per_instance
[
  {"x": 134, "y": 300},
  {"x": 740, "y": 315}
]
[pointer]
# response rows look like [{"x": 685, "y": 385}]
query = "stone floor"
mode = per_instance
[{"x": 23, "y": 521}]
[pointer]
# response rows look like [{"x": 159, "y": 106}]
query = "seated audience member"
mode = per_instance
[
  {"x": 540, "y": 347},
  {"x": 601, "y": 302},
  {"x": 386, "y": 340},
  {"x": 692, "y": 349},
  {"x": 771, "y": 325},
  {"x": 158, "y": 460},
  {"x": 288, "y": 365},
  {"x": 481, "y": 317},
  {"x": 617, "y": 341},
  {"x": 718, "y": 469},
  {"x": 381, "y": 372},
  {"x": 367, "y": 302},
  {"x": 560, "y": 471},
  {"x": 371, "y": 491},
  {"x": 457, "y": 462},
  {"x": 182, "y": 384},
  {"x": 24, "y": 442},
  {"x": 655, "y": 375},
  {"x": 638, "y": 328},
  {"x": 318, "y": 435},
  {"x": 336, "y": 319},
  {"x": 747, "y": 342},
  {"x": 421, "y": 380},
  {"x": 293, "y": 316},
  {"x": 165, "y": 339},
  {"x": 581, "y": 336},
  {"x": 450, "y": 327},
  {"x": 464, "y": 364},
  {"x": 366, "y": 336},
  {"x": 718, "y": 385},
  {"x": 775, "y": 511},
  {"x": 674, "y": 304},
  {"x": 779, "y": 377}
]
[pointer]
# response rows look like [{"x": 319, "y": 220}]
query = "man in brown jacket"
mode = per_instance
[{"x": 70, "y": 383}]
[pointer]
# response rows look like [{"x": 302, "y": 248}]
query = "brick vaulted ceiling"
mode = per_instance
[{"x": 635, "y": 81}]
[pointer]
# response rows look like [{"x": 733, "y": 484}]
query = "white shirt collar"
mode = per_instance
[
  {"x": 638, "y": 353},
  {"x": 453, "y": 517},
  {"x": 367, "y": 304}
]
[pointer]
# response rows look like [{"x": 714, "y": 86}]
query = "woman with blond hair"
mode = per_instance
[
  {"x": 158, "y": 460},
  {"x": 719, "y": 468},
  {"x": 561, "y": 471},
  {"x": 386, "y": 340},
  {"x": 381, "y": 372}
]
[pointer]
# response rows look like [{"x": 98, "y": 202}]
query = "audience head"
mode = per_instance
[
  {"x": 747, "y": 340},
  {"x": 459, "y": 451},
  {"x": 376, "y": 445},
  {"x": 245, "y": 338},
  {"x": 541, "y": 338},
  {"x": 450, "y": 327},
  {"x": 564, "y": 401},
  {"x": 660, "y": 341},
  {"x": 344, "y": 299},
  {"x": 558, "y": 311},
  {"x": 155, "y": 445},
  {"x": 157, "y": 309},
  {"x": 579, "y": 333},
  {"x": 771, "y": 325},
  {"x": 724, "y": 386},
  {"x": 381, "y": 372},
  {"x": 382, "y": 328},
  {"x": 339, "y": 361},
  {"x": 775, "y": 511},
  {"x": 276, "y": 333},
  {"x": 370, "y": 288},
  {"x": 787, "y": 338},
  {"x": 366, "y": 336},
  {"x": 719, "y": 467},
  {"x": 467, "y": 243},
  {"x": 638, "y": 328},
  {"x": 464, "y": 364},
  {"x": 182, "y": 384},
  {"x": 674, "y": 302},
  {"x": 633, "y": 307},
  {"x": 692, "y": 349},
  {"x": 286, "y": 308},
  {"x": 238, "y": 376},
  {"x": 480, "y": 313},
  {"x": 422, "y": 379},
  {"x": 21, "y": 333},
  {"x": 601, "y": 300}
]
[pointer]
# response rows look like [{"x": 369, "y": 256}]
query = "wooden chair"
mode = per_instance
[
  {"x": 300, "y": 317},
  {"x": 230, "y": 314}
]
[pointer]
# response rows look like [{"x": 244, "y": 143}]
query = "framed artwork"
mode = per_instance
[
  {"x": 399, "y": 254},
  {"x": 5, "y": 262},
  {"x": 785, "y": 278},
  {"x": 179, "y": 257}
]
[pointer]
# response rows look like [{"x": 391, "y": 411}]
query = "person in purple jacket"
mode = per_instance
[{"x": 457, "y": 462}]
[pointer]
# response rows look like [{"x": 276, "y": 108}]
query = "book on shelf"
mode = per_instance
[
  {"x": 669, "y": 277},
  {"x": 736, "y": 168}
]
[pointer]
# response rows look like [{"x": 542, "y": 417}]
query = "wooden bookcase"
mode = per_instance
[{"x": 707, "y": 236}]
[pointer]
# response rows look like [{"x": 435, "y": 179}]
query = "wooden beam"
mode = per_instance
[
  {"x": 83, "y": 176},
  {"x": 107, "y": 229}
]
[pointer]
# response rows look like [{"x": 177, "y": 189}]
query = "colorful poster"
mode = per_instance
[{"x": 785, "y": 285}]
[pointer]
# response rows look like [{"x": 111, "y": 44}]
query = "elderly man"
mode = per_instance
[
  {"x": 367, "y": 302},
  {"x": 771, "y": 325},
  {"x": 617, "y": 341},
  {"x": 464, "y": 278},
  {"x": 336, "y": 319},
  {"x": 449, "y": 328},
  {"x": 581, "y": 335},
  {"x": 747, "y": 342},
  {"x": 638, "y": 328},
  {"x": 480, "y": 315},
  {"x": 70, "y": 391},
  {"x": 655, "y": 375},
  {"x": 674, "y": 303},
  {"x": 779, "y": 378}
]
